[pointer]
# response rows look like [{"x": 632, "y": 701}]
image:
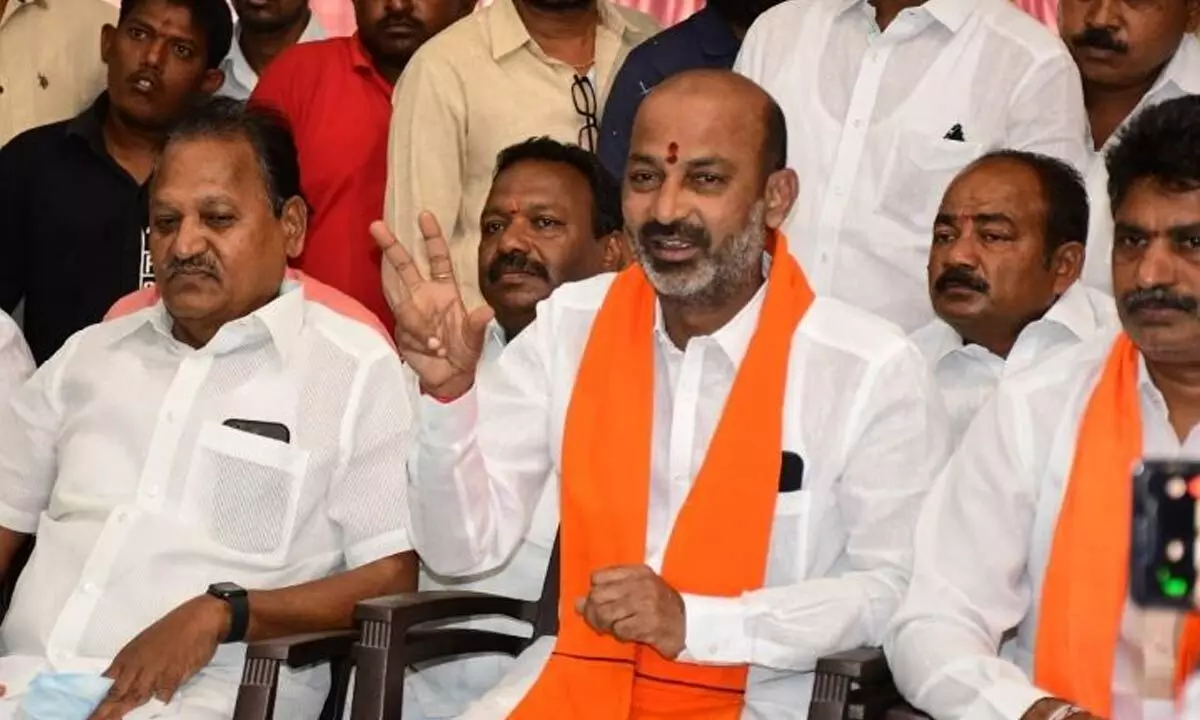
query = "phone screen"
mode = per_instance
[{"x": 1163, "y": 568}]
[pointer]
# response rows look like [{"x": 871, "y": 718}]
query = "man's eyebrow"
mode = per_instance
[
  {"x": 993, "y": 217},
  {"x": 947, "y": 218},
  {"x": 1186, "y": 230},
  {"x": 708, "y": 161},
  {"x": 1129, "y": 228},
  {"x": 644, "y": 158}
]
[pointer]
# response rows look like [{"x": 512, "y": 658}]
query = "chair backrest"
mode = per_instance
[{"x": 546, "y": 620}]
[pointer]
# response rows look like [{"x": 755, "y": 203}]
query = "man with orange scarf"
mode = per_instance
[
  {"x": 1029, "y": 525},
  {"x": 740, "y": 464}
]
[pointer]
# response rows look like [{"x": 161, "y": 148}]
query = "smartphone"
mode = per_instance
[
  {"x": 1163, "y": 558},
  {"x": 262, "y": 428}
]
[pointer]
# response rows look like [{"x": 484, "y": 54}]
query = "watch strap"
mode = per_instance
[{"x": 239, "y": 613}]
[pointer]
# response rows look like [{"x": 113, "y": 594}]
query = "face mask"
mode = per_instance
[{"x": 62, "y": 696}]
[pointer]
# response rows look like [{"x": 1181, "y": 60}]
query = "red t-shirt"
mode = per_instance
[{"x": 339, "y": 107}]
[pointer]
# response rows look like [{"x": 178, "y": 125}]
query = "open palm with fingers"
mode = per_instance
[{"x": 436, "y": 335}]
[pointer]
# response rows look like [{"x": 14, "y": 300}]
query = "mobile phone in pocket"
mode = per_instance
[
  {"x": 1163, "y": 558},
  {"x": 262, "y": 428}
]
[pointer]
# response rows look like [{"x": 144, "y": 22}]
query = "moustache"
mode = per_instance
[
  {"x": 401, "y": 20},
  {"x": 696, "y": 234},
  {"x": 145, "y": 73},
  {"x": 1100, "y": 39},
  {"x": 517, "y": 262},
  {"x": 196, "y": 264},
  {"x": 959, "y": 276},
  {"x": 1158, "y": 298}
]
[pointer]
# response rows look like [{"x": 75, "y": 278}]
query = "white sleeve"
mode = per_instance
[
  {"x": 970, "y": 583},
  {"x": 898, "y": 444},
  {"x": 367, "y": 498},
  {"x": 1047, "y": 114},
  {"x": 30, "y": 422},
  {"x": 482, "y": 461},
  {"x": 16, "y": 362}
]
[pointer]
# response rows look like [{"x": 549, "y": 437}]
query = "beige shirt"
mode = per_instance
[
  {"x": 481, "y": 85},
  {"x": 50, "y": 67}
]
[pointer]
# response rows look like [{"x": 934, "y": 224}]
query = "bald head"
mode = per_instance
[
  {"x": 720, "y": 101},
  {"x": 705, "y": 184}
]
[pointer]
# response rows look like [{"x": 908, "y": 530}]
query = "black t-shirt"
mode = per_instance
[{"x": 72, "y": 229}]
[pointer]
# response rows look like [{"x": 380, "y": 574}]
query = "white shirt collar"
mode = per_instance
[
  {"x": 733, "y": 338},
  {"x": 1180, "y": 77},
  {"x": 1072, "y": 312},
  {"x": 280, "y": 320},
  {"x": 952, "y": 14},
  {"x": 240, "y": 78}
]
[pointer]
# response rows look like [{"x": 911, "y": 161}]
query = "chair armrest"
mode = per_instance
[
  {"x": 853, "y": 685},
  {"x": 260, "y": 674},
  {"x": 866, "y": 666},
  {"x": 405, "y": 610},
  {"x": 302, "y": 650},
  {"x": 389, "y": 644}
]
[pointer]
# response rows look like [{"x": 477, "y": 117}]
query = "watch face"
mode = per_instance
[{"x": 226, "y": 589}]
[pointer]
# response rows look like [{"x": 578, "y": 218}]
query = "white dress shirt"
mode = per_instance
[
  {"x": 240, "y": 78},
  {"x": 984, "y": 540},
  {"x": 1180, "y": 77},
  {"x": 16, "y": 362},
  {"x": 859, "y": 410},
  {"x": 967, "y": 375},
  {"x": 445, "y": 689},
  {"x": 116, "y": 454},
  {"x": 868, "y": 115}
]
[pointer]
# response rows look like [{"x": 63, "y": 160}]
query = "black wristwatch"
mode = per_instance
[{"x": 239, "y": 606}]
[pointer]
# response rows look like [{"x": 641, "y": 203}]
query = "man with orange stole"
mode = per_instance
[
  {"x": 740, "y": 464},
  {"x": 1029, "y": 525}
]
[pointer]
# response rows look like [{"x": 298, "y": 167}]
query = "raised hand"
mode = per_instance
[{"x": 435, "y": 334}]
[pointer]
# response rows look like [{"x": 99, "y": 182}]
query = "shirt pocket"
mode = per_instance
[
  {"x": 243, "y": 490},
  {"x": 788, "y": 560},
  {"x": 918, "y": 170}
]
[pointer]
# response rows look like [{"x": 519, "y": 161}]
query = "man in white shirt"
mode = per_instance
[
  {"x": 886, "y": 100},
  {"x": 1008, "y": 247},
  {"x": 16, "y": 362},
  {"x": 222, "y": 467},
  {"x": 265, "y": 28},
  {"x": 1029, "y": 525},
  {"x": 1130, "y": 56},
  {"x": 739, "y": 464},
  {"x": 553, "y": 216}
]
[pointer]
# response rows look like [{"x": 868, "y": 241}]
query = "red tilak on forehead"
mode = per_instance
[
  {"x": 513, "y": 207},
  {"x": 673, "y": 153}
]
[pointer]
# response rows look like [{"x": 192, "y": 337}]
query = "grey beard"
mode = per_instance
[{"x": 714, "y": 277}]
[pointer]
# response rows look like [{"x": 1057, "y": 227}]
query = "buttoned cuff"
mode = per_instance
[
  {"x": 716, "y": 631},
  {"x": 1005, "y": 699},
  {"x": 447, "y": 424}
]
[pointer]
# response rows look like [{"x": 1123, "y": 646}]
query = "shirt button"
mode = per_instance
[
  {"x": 858, "y": 124},
  {"x": 90, "y": 588},
  {"x": 152, "y": 492},
  {"x": 121, "y": 516}
]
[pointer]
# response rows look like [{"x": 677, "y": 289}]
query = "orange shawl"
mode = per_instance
[
  {"x": 719, "y": 543},
  {"x": 1086, "y": 583}
]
